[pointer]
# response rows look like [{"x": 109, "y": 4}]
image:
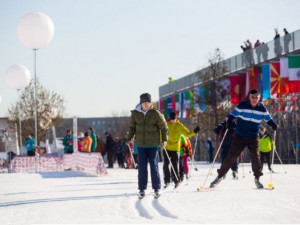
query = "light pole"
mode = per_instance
[
  {"x": 35, "y": 30},
  {"x": 18, "y": 77}
]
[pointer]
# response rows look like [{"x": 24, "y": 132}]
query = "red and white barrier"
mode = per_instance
[{"x": 86, "y": 162}]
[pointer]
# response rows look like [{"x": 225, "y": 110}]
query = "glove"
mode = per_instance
[
  {"x": 197, "y": 129},
  {"x": 230, "y": 125},
  {"x": 275, "y": 127}
]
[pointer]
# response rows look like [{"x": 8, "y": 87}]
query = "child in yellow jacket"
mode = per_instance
[{"x": 265, "y": 147}]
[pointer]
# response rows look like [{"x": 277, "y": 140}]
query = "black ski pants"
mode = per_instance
[
  {"x": 237, "y": 146},
  {"x": 174, "y": 156},
  {"x": 266, "y": 155}
]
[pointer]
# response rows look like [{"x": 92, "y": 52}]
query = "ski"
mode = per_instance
[{"x": 156, "y": 196}]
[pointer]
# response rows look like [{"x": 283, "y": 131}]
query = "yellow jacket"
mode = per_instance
[
  {"x": 175, "y": 131},
  {"x": 86, "y": 144}
]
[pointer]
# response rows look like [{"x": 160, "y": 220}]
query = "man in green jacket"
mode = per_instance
[
  {"x": 176, "y": 129},
  {"x": 68, "y": 142},
  {"x": 150, "y": 130},
  {"x": 94, "y": 139}
]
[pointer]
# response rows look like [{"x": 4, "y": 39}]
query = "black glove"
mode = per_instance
[
  {"x": 274, "y": 126},
  {"x": 197, "y": 129},
  {"x": 230, "y": 125}
]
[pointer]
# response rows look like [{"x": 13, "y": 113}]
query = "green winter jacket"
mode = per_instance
[
  {"x": 149, "y": 128},
  {"x": 265, "y": 143},
  {"x": 68, "y": 143},
  {"x": 94, "y": 143},
  {"x": 175, "y": 131}
]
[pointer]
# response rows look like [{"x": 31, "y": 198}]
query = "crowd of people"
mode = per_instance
[
  {"x": 150, "y": 134},
  {"x": 262, "y": 49}
]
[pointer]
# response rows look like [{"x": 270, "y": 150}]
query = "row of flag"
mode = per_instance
[
  {"x": 273, "y": 79},
  {"x": 190, "y": 102}
]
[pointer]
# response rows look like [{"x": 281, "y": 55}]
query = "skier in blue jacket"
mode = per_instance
[{"x": 248, "y": 115}]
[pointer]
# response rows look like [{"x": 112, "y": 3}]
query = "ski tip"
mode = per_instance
[
  {"x": 270, "y": 186},
  {"x": 203, "y": 188}
]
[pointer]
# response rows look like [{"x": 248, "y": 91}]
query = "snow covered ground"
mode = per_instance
[{"x": 78, "y": 198}]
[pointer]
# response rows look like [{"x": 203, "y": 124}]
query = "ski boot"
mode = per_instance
[
  {"x": 216, "y": 182},
  {"x": 156, "y": 194},
  {"x": 258, "y": 184},
  {"x": 235, "y": 176},
  {"x": 141, "y": 194}
]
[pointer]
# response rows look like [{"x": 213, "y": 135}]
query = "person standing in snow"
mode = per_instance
[
  {"x": 210, "y": 149},
  {"x": 176, "y": 129},
  {"x": 186, "y": 152},
  {"x": 68, "y": 142},
  {"x": 220, "y": 130},
  {"x": 249, "y": 115},
  {"x": 149, "y": 128},
  {"x": 265, "y": 147},
  {"x": 109, "y": 145},
  {"x": 94, "y": 139}
]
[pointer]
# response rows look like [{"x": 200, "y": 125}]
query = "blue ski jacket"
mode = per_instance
[{"x": 248, "y": 119}]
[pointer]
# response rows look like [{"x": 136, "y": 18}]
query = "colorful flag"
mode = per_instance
[
  {"x": 275, "y": 79},
  {"x": 284, "y": 76},
  {"x": 166, "y": 114},
  {"x": 253, "y": 77},
  {"x": 202, "y": 99},
  {"x": 294, "y": 73},
  {"x": 187, "y": 104},
  {"x": 177, "y": 104},
  {"x": 242, "y": 94},
  {"x": 181, "y": 97},
  {"x": 170, "y": 105},
  {"x": 192, "y": 104},
  {"x": 235, "y": 89},
  {"x": 161, "y": 105},
  {"x": 266, "y": 81}
]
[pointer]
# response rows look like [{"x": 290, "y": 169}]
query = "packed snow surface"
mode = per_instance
[{"x": 73, "y": 197}]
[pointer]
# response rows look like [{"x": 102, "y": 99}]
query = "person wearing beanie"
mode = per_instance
[
  {"x": 149, "y": 128},
  {"x": 248, "y": 116},
  {"x": 176, "y": 129}
]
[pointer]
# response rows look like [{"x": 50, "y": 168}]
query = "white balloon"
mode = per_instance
[
  {"x": 35, "y": 30},
  {"x": 17, "y": 76}
]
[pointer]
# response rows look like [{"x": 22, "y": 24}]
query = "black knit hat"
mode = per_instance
[
  {"x": 145, "y": 98},
  {"x": 254, "y": 91},
  {"x": 172, "y": 116}
]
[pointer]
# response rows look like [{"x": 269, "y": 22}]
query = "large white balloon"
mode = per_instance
[
  {"x": 35, "y": 30},
  {"x": 17, "y": 76}
]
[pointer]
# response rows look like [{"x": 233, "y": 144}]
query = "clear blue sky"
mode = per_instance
[{"x": 105, "y": 53}]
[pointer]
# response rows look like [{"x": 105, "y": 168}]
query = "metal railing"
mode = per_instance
[{"x": 263, "y": 53}]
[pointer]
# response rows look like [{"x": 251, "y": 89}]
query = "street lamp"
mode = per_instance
[
  {"x": 35, "y": 30},
  {"x": 18, "y": 77}
]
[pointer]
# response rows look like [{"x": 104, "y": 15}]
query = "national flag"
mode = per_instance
[
  {"x": 242, "y": 94},
  {"x": 161, "y": 105},
  {"x": 170, "y": 104},
  {"x": 202, "y": 99},
  {"x": 177, "y": 104},
  {"x": 166, "y": 114},
  {"x": 234, "y": 89},
  {"x": 294, "y": 73},
  {"x": 253, "y": 80},
  {"x": 192, "y": 103},
  {"x": 266, "y": 90},
  {"x": 174, "y": 103},
  {"x": 275, "y": 79},
  {"x": 187, "y": 104},
  {"x": 181, "y": 100},
  {"x": 284, "y": 76}
]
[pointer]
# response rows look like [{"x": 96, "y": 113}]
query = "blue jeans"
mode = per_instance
[{"x": 146, "y": 155}]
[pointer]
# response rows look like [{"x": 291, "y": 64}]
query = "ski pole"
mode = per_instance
[
  {"x": 242, "y": 164},
  {"x": 193, "y": 162},
  {"x": 270, "y": 185},
  {"x": 202, "y": 187},
  {"x": 135, "y": 167},
  {"x": 280, "y": 160},
  {"x": 171, "y": 164},
  {"x": 195, "y": 147}
]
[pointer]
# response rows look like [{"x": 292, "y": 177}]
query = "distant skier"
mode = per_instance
[
  {"x": 220, "y": 130},
  {"x": 176, "y": 129},
  {"x": 186, "y": 152},
  {"x": 249, "y": 115},
  {"x": 150, "y": 130},
  {"x": 265, "y": 147}
]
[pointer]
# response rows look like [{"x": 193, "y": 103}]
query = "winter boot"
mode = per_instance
[
  {"x": 177, "y": 184},
  {"x": 156, "y": 193},
  {"x": 141, "y": 194},
  {"x": 258, "y": 184},
  {"x": 216, "y": 182},
  {"x": 235, "y": 176}
]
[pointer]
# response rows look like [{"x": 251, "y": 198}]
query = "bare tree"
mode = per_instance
[{"x": 50, "y": 106}]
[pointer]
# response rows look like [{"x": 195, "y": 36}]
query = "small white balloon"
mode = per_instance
[
  {"x": 35, "y": 30},
  {"x": 17, "y": 76}
]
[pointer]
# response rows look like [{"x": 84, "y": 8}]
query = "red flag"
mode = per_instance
[
  {"x": 174, "y": 103},
  {"x": 235, "y": 89},
  {"x": 275, "y": 78},
  {"x": 253, "y": 77}
]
